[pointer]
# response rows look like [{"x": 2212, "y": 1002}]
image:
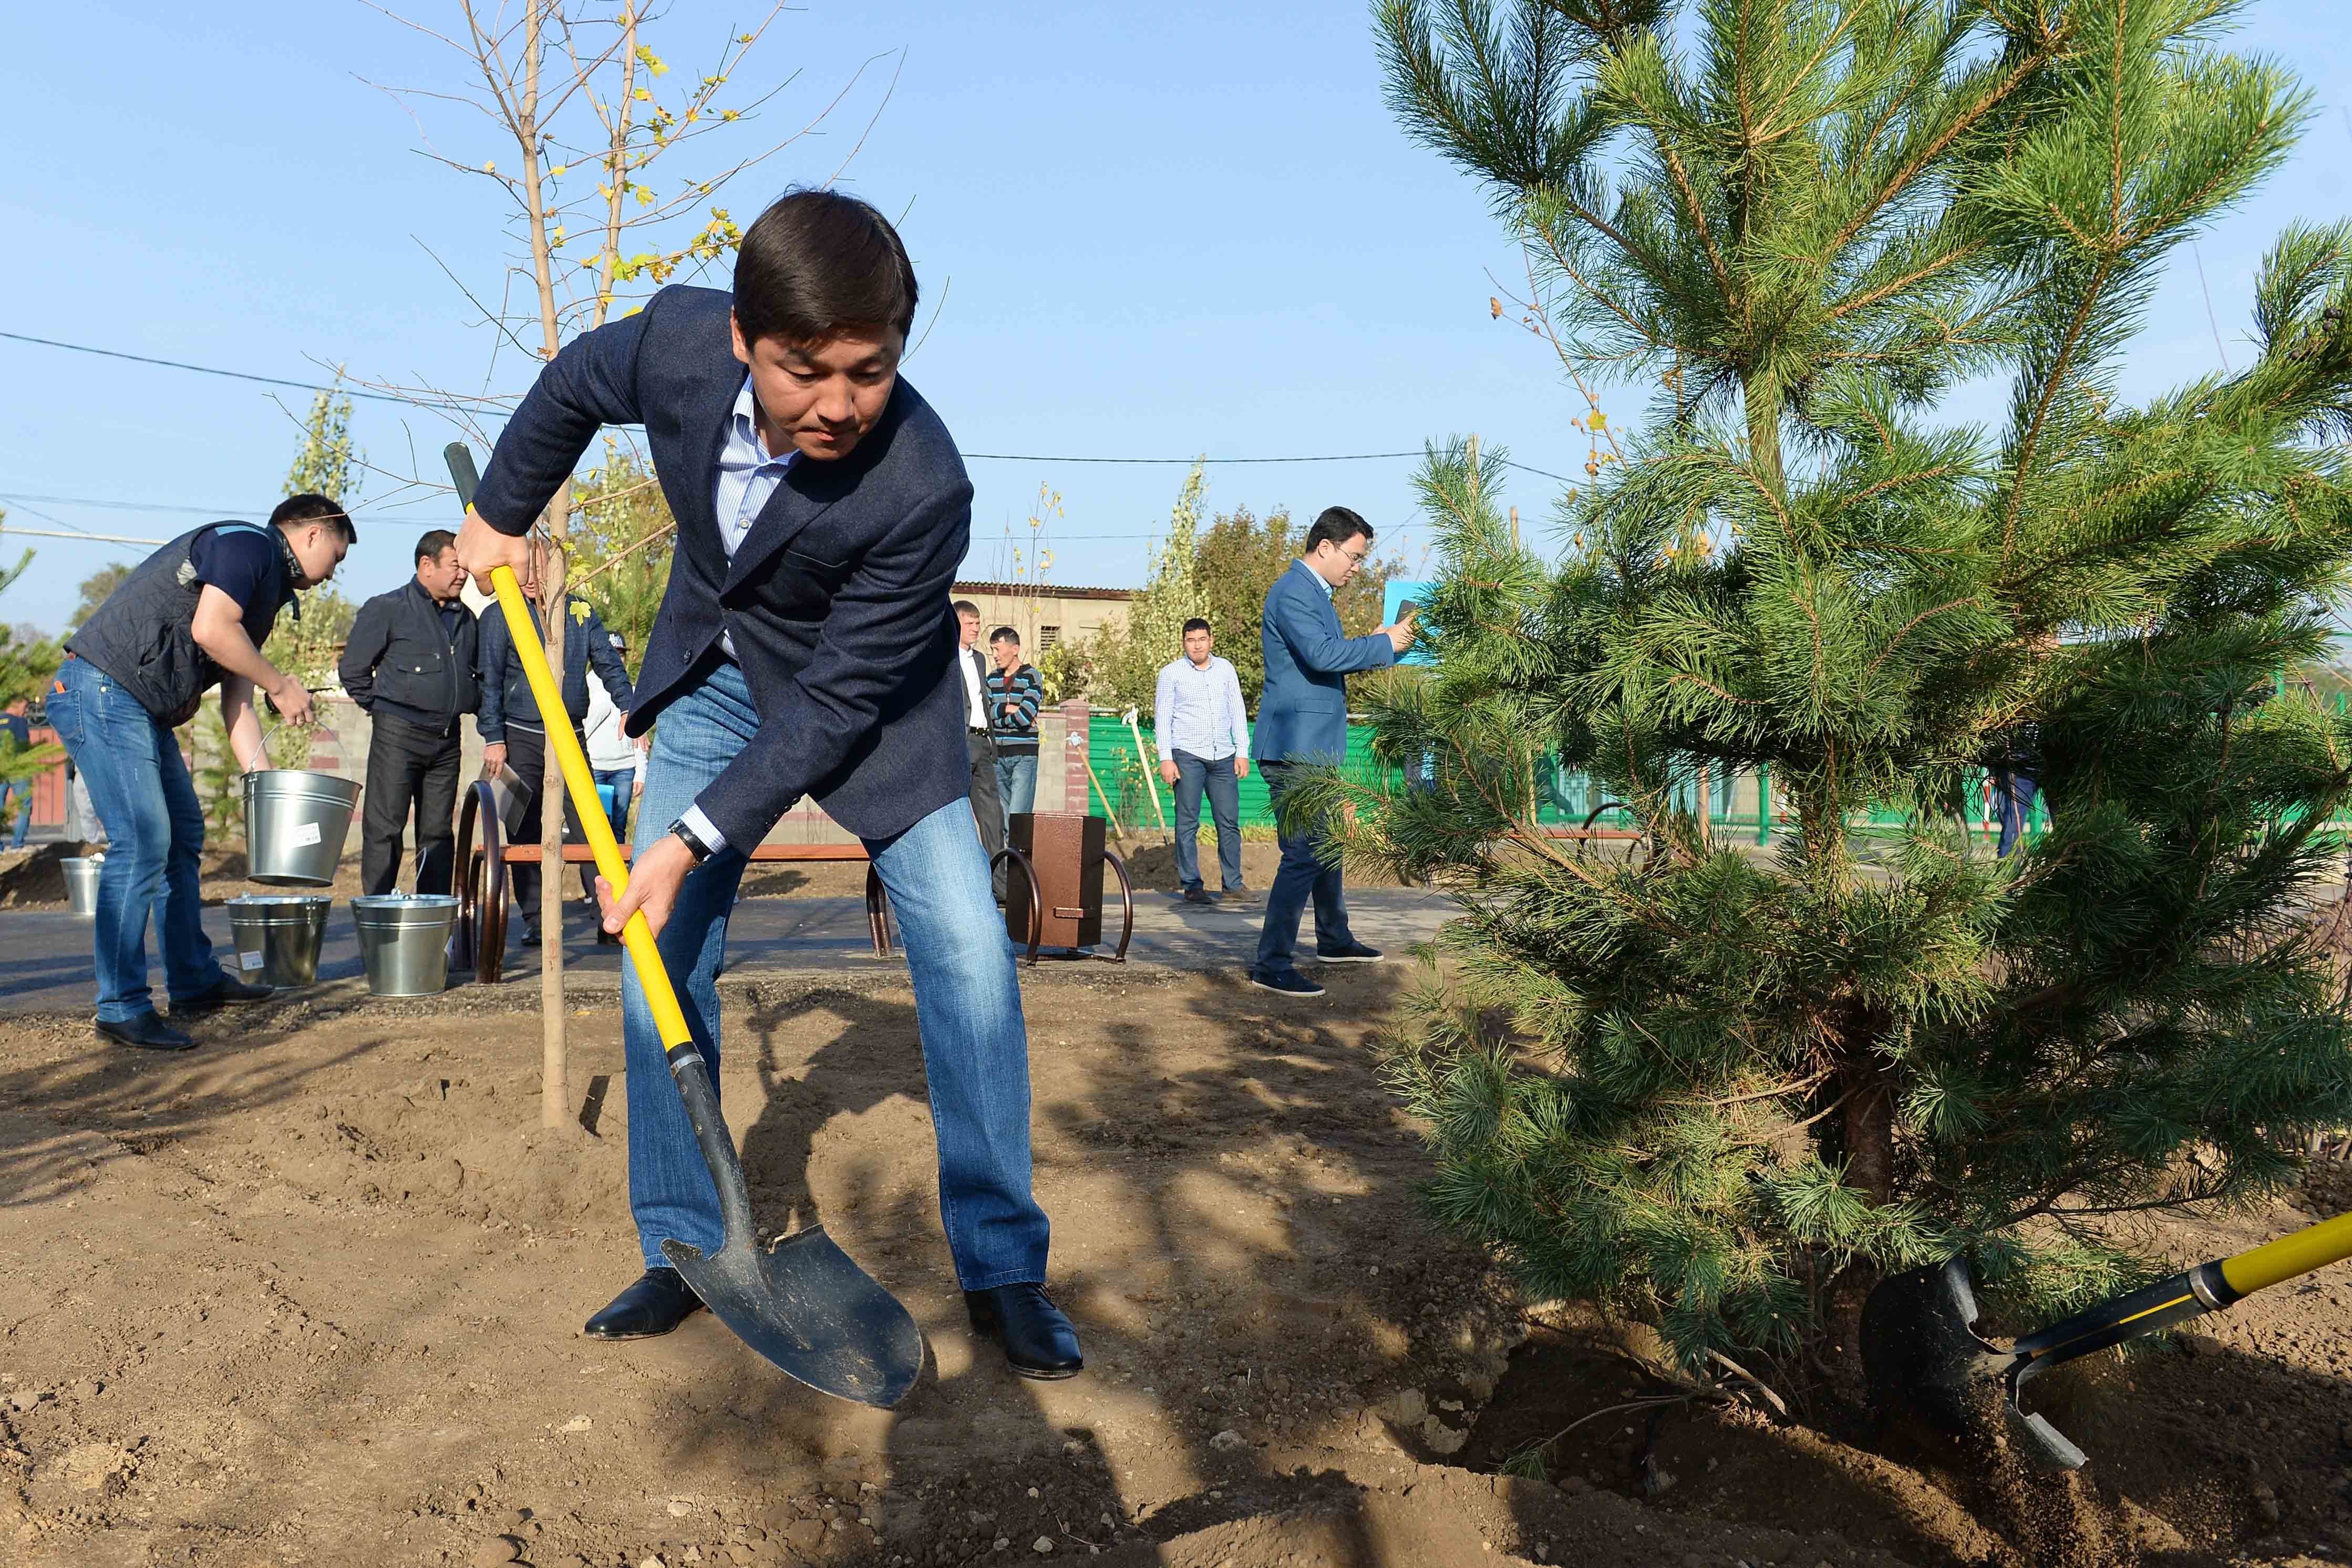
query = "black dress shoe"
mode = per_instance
[
  {"x": 226, "y": 992},
  {"x": 147, "y": 1031},
  {"x": 1037, "y": 1337},
  {"x": 529, "y": 937},
  {"x": 659, "y": 1301}
]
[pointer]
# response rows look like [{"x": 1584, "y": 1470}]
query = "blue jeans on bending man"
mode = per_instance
[
  {"x": 155, "y": 825},
  {"x": 967, "y": 1006},
  {"x": 1214, "y": 777}
]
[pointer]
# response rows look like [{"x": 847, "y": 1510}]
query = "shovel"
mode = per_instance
[
  {"x": 802, "y": 1303},
  {"x": 1921, "y": 1353}
]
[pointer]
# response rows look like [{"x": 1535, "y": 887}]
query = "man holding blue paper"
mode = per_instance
[{"x": 1302, "y": 722}]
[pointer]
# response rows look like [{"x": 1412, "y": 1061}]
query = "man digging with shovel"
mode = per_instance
[{"x": 804, "y": 647}]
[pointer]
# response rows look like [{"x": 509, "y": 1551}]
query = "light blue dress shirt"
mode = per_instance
[
  {"x": 748, "y": 475},
  {"x": 1198, "y": 708}
]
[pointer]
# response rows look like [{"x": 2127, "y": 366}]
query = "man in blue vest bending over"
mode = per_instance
[
  {"x": 804, "y": 647},
  {"x": 191, "y": 616}
]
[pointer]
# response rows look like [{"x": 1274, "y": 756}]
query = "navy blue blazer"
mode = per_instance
[
  {"x": 837, "y": 602},
  {"x": 1302, "y": 715},
  {"x": 505, "y": 691}
]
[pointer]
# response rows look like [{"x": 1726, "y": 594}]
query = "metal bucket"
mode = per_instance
[
  {"x": 279, "y": 936},
  {"x": 404, "y": 941},
  {"x": 81, "y": 884},
  {"x": 295, "y": 824}
]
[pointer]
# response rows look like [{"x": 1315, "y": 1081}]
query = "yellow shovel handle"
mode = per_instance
[
  {"x": 637, "y": 935},
  {"x": 2313, "y": 1246}
]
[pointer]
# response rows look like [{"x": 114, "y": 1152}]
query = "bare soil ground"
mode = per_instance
[{"x": 312, "y": 1294}]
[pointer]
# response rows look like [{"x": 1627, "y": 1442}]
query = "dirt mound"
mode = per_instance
[
  {"x": 313, "y": 1293},
  {"x": 1367, "y": 1511},
  {"x": 37, "y": 879}
]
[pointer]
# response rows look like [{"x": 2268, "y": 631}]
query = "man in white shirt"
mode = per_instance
[
  {"x": 1204, "y": 748},
  {"x": 979, "y": 745}
]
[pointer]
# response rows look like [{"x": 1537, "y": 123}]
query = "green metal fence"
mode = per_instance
[{"x": 1741, "y": 805}]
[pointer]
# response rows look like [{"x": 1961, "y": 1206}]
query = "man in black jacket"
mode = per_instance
[
  {"x": 410, "y": 664},
  {"x": 512, "y": 733}
]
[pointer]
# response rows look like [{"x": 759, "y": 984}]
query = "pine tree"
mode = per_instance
[
  {"x": 1123, "y": 665},
  {"x": 1724, "y": 1091}
]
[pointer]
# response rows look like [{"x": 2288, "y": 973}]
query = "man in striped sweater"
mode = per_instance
[{"x": 1014, "y": 694}]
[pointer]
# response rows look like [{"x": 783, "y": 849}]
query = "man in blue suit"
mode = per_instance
[
  {"x": 804, "y": 647},
  {"x": 1302, "y": 721}
]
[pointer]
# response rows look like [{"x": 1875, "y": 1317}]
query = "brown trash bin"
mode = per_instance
[{"x": 1055, "y": 900}]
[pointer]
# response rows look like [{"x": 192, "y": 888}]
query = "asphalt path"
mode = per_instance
[{"x": 46, "y": 964}]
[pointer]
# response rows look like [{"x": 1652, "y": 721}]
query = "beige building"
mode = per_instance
[{"x": 1045, "y": 614}]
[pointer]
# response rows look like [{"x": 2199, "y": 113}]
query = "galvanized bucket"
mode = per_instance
[
  {"x": 279, "y": 936},
  {"x": 81, "y": 884},
  {"x": 404, "y": 941},
  {"x": 295, "y": 824}
]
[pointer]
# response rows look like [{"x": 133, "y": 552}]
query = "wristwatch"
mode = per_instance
[{"x": 691, "y": 839}]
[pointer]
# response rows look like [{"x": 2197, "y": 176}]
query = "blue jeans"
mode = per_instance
[
  {"x": 967, "y": 1007},
  {"x": 24, "y": 816},
  {"x": 1016, "y": 785},
  {"x": 617, "y": 788},
  {"x": 2013, "y": 794},
  {"x": 1301, "y": 876},
  {"x": 1195, "y": 775},
  {"x": 155, "y": 830}
]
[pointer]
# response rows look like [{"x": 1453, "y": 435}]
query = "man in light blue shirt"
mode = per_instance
[{"x": 1204, "y": 747}]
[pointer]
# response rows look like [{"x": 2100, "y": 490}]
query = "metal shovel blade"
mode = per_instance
[
  {"x": 1922, "y": 1356},
  {"x": 808, "y": 1308}
]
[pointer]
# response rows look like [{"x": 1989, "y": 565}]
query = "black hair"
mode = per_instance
[
  {"x": 817, "y": 263},
  {"x": 296, "y": 510},
  {"x": 435, "y": 541},
  {"x": 1339, "y": 525},
  {"x": 966, "y": 607},
  {"x": 1196, "y": 624},
  {"x": 1005, "y": 633}
]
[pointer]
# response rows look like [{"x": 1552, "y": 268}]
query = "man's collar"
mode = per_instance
[
  {"x": 1320, "y": 581},
  {"x": 291, "y": 564},
  {"x": 747, "y": 418}
]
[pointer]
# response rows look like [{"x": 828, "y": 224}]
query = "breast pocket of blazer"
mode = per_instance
[{"x": 803, "y": 581}]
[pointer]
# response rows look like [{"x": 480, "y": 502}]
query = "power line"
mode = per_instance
[
  {"x": 1335, "y": 457},
  {"x": 7, "y": 529},
  {"x": 339, "y": 390},
  {"x": 460, "y": 398}
]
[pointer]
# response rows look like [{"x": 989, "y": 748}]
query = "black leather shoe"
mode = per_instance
[
  {"x": 529, "y": 937},
  {"x": 226, "y": 992},
  {"x": 659, "y": 1301},
  {"x": 1037, "y": 1337},
  {"x": 147, "y": 1031},
  {"x": 1353, "y": 953}
]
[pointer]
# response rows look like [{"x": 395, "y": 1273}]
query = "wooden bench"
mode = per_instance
[{"x": 481, "y": 935}]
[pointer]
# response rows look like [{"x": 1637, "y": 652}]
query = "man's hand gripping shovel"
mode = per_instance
[{"x": 802, "y": 1304}]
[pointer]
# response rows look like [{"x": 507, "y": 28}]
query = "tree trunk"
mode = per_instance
[
  {"x": 1762, "y": 395},
  {"x": 554, "y": 1083}
]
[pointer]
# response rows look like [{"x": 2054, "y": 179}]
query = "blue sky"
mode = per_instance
[{"x": 1159, "y": 231}]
